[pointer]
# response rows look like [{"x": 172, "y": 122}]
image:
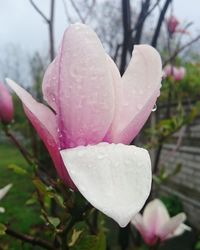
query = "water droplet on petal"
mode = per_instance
[
  {"x": 101, "y": 156},
  {"x": 154, "y": 108},
  {"x": 139, "y": 106}
]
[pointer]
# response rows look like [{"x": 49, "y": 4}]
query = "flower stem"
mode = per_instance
[{"x": 27, "y": 156}]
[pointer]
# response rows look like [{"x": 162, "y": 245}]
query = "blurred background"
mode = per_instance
[{"x": 30, "y": 33}]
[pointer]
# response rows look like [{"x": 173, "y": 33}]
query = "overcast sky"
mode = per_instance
[{"x": 21, "y": 25}]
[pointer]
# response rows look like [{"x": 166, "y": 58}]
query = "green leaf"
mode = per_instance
[
  {"x": 54, "y": 221},
  {"x": 2, "y": 229},
  {"x": 17, "y": 169},
  {"x": 91, "y": 242},
  {"x": 75, "y": 236}
]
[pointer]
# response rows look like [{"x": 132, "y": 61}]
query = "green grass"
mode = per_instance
[{"x": 20, "y": 216}]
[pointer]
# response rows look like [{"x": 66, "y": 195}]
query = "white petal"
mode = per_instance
[
  {"x": 171, "y": 226},
  {"x": 2, "y": 209},
  {"x": 4, "y": 191},
  {"x": 114, "y": 178},
  {"x": 181, "y": 229}
]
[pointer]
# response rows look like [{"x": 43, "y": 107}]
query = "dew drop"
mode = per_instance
[
  {"x": 154, "y": 108},
  {"x": 139, "y": 106},
  {"x": 101, "y": 156}
]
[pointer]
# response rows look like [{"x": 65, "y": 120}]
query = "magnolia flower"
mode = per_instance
[
  {"x": 6, "y": 105},
  {"x": 176, "y": 73},
  {"x": 96, "y": 112},
  {"x": 173, "y": 26},
  {"x": 179, "y": 73},
  {"x": 3, "y": 192},
  {"x": 156, "y": 225}
]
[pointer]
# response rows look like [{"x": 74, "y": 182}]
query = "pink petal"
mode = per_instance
[
  {"x": 6, "y": 105},
  {"x": 179, "y": 73},
  {"x": 44, "y": 121},
  {"x": 117, "y": 84},
  {"x": 84, "y": 94},
  {"x": 49, "y": 85},
  {"x": 148, "y": 237},
  {"x": 171, "y": 226},
  {"x": 140, "y": 88},
  {"x": 155, "y": 216},
  {"x": 137, "y": 221}
]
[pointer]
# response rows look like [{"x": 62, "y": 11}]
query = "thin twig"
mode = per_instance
[
  {"x": 77, "y": 11},
  {"x": 39, "y": 11},
  {"x": 69, "y": 19},
  {"x": 29, "y": 239},
  {"x": 27, "y": 156},
  {"x": 178, "y": 144},
  {"x": 159, "y": 23},
  {"x": 181, "y": 49}
]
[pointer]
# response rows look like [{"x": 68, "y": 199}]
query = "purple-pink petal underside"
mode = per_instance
[
  {"x": 140, "y": 87},
  {"x": 6, "y": 104},
  {"x": 44, "y": 121},
  {"x": 84, "y": 90}
]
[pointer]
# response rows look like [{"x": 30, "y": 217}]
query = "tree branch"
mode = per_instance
[
  {"x": 141, "y": 20},
  {"x": 30, "y": 239},
  {"x": 77, "y": 11},
  {"x": 181, "y": 49},
  {"x": 159, "y": 23},
  {"x": 126, "y": 15},
  {"x": 39, "y": 11}
]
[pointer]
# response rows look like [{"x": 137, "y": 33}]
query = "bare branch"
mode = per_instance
[
  {"x": 90, "y": 9},
  {"x": 69, "y": 19},
  {"x": 146, "y": 15},
  {"x": 29, "y": 239},
  {"x": 77, "y": 11},
  {"x": 141, "y": 20},
  {"x": 39, "y": 11},
  {"x": 181, "y": 49},
  {"x": 159, "y": 23},
  {"x": 126, "y": 15}
]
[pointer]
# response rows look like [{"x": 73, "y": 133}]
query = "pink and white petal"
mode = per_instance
[
  {"x": 137, "y": 221},
  {"x": 4, "y": 191},
  {"x": 181, "y": 229},
  {"x": 155, "y": 216},
  {"x": 6, "y": 104},
  {"x": 171, "y": 226},
  {"x": 117, "y": 85},
  {"x": 141, "y": 86},
  {"x": 114, "y": 178},
  {"x": 85, "y": 90},
  {"x": 39, "y": 114},
  {"x": 49, "y": 84}
]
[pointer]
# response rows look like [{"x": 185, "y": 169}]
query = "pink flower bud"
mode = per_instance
[
  {"x": 176, "y": 73},
  {"x": 172, "y": 24},
  {"x": 6, "y": 105},
  {"x": 156, "y": 225},
  {"x": 168, "y": 70},
  {"x": 179, "y": 73}
]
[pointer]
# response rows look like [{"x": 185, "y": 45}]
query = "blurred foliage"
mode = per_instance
[{"x": 173, "y": 204}]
